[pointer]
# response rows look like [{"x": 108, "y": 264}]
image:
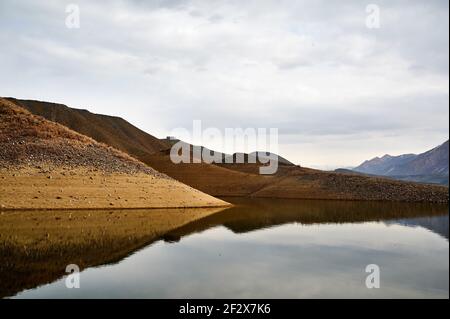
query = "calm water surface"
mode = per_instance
[{"x": 281, "y": 249}]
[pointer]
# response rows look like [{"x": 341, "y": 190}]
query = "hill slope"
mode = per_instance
[
  {"x": 111, "y": 130},
  {"x": 289, "y": 182},
  {"x": 46, "y": 165},
  {"x": 432, "y": 162},
  {"x": 384, "y": 165},
  {"x": 431, "y": 166}
]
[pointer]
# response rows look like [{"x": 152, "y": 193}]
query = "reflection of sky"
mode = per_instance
[{"x": 291, "y": 261}]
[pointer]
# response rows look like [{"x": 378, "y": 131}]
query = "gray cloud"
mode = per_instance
[{"x": 338, "y": 91}]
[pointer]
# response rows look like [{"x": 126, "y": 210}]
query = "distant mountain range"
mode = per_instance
[{"x": 428, "y": 167}]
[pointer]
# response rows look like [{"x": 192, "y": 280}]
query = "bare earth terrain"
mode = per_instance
[
  {"x": 295, "y": 182},
  {"x": 78, "y": 188},
  {"x": 46, "y": 165}
]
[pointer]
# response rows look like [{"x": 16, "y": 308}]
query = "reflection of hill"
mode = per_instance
[
  {"x": 249, "y": 215},
  {"x": 436, "y": 224},
  {"x": 36, "y": 246}
]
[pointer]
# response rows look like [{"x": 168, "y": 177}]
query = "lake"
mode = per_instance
[{"x": 261, "y": 248}]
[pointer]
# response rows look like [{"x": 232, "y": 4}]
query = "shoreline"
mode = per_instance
[
  {"x": 33, "y": 209},
  {"x": 81, "y": 189}
]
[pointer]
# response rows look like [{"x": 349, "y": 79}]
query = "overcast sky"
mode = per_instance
[{"x": 338, "y": 91}]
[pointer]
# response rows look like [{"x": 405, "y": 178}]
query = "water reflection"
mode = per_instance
[
  {"x": 36, "y": 246},
  {"x": 259, "y": 248},
  {"x": 253, "y": 214}
]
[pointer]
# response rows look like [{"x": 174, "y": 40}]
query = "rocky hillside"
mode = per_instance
[
  {"x": 111, "y": 130},
  {"x": 46, "y": 165},
  {"x": 26, "y": 139}
]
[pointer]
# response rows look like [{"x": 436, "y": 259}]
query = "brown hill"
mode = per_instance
[
  {"x": 243, "y": 180},
  {"x": 111, "y": 130},
  {"x": 46, "y": 165}
]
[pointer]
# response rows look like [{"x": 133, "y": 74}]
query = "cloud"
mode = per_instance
[{"x": 312, "y": 69}]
